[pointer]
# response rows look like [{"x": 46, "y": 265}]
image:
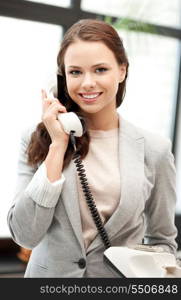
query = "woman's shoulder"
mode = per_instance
[{"x": 153, "y": 142}]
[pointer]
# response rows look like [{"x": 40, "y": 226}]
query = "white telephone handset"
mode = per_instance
[{"x": 69, "y": 121}]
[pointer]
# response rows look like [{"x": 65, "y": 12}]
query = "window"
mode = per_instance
[
  {"x": 152, "y": 82},
  {"x": 27, "y": 57},
  {"x": 160, "y": 12}
]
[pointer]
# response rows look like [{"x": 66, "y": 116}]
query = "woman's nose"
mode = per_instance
[{"x": 88, "y": 82}]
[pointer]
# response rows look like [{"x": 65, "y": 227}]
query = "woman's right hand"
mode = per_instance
[{"x": 51, "y": 107}]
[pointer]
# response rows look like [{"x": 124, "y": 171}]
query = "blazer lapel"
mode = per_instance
[
  {"x": 71, "y": 202},
  {"x": 131, "y": 153}
]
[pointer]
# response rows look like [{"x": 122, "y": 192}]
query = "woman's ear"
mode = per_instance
[{"x": 122, "y": 70}]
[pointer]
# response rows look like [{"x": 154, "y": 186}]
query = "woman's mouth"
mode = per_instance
[{"x": 89, "y": 97}]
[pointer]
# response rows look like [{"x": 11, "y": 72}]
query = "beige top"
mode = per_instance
[{"x": 103, "y": 174}]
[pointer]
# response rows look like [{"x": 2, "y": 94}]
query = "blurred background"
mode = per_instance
[{"x": 31, "y": 33}]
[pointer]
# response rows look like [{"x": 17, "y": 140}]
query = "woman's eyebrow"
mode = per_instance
[
  {"x": 96, "y": 65},
  {"x": 100, "y": 64},
  {"x": 74, "y": 67}
]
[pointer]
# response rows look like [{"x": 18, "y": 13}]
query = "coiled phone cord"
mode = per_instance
[{"x": 88, "y": 195}]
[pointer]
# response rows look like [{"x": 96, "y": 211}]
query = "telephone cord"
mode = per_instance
[{"x": 88, "y": 195}]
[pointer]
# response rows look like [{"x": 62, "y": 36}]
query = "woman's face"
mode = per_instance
[{"x": 92, "y": 76}]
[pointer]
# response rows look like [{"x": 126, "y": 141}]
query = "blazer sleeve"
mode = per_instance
[
  {"x": 160, "y": 207},
  {"x": 34, "y": 202}
]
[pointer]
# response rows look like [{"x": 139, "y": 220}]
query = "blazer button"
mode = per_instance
[{"x": 82, "y": 263}]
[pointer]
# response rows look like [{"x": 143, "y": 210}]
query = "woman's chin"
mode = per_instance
[{"x": 90, "y": 110}]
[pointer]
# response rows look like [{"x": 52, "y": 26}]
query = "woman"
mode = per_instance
[{"x": 130, "y": 172}]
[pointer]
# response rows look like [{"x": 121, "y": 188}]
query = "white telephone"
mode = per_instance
[
  {"x": 142, "y": 261},
  {"x": 71, "y": 122}
]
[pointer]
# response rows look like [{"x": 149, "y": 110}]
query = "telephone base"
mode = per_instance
[{"x": 131, "y": 263}]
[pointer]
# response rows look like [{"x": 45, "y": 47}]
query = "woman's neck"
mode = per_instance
[{"x": 96, "y": 122}]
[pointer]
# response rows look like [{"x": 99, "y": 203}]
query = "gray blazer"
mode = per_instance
[{"x": 146, "y": 210}]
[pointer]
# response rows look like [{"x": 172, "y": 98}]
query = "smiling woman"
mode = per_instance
[
  {"x": 130, "y": 171},
  {"x": 93, "y": 84}
]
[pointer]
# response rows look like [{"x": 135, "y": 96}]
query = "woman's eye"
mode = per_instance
[
  {"x": 75, "y": 72},
  {"x": 101, "y": 70}
]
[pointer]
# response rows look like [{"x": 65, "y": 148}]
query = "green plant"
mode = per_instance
[{"x": 129, "y": 24}]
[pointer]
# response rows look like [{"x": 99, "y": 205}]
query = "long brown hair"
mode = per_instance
[{"x": 85, "y": 30}]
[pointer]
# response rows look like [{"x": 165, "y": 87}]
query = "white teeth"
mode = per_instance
[{"x": 90, "y": 96}]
